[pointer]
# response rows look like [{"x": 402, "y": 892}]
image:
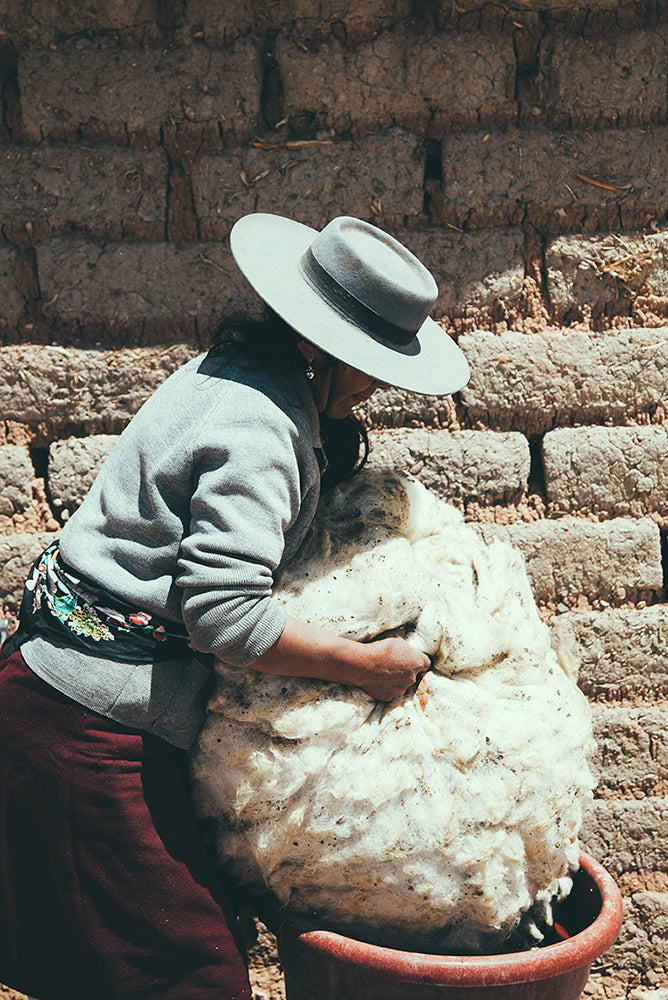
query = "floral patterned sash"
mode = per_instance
[{"x": 74, "y": 611}]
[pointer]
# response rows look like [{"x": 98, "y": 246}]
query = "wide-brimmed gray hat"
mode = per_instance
[{"x": 356, "y": 293}]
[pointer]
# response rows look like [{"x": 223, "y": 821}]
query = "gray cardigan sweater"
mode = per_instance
[{"x": 210, "y": 488}]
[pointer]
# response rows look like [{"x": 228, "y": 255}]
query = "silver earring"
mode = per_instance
[{"x": 310, "y": 374}]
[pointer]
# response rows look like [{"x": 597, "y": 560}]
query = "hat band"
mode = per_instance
[{"x": 350, "y": 307}]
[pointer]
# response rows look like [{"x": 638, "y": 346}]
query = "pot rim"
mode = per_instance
[{"x": 472, "y": 970}]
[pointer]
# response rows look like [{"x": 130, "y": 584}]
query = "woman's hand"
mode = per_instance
[
  {"x": 394, "y": 667},
  {"x": 385, "y": 667}
]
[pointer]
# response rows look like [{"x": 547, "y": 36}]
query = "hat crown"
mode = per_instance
[{"x": 377, "y": 270}]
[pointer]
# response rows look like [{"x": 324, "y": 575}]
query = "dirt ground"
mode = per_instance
[
  {"x": 265, "y": 973},
  {"x": 267, "y": 979}
]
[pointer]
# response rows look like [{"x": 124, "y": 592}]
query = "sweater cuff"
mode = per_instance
[{"x": 261, "y": 637}]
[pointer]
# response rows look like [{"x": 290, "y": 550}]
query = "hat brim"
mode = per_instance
[{"x": 268, "y": 250}]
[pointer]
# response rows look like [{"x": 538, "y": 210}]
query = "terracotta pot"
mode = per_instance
[{"x": 323, "y": 965}]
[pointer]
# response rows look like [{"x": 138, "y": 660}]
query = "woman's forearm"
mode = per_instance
[{"x": 384, "y": 668}]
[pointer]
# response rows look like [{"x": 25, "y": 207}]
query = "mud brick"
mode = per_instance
[
  {"x": 42, "y": 24},
  {"x": 555, "y": 7},
  {"x": 617, "y": 78},
  {"x": 11, "y": 302},
  {"x": 399, "y": 79},
  {"x": 642, "y": 946},
  {"x": 17, "y": 554},
  {"x": 476, "y": 271},
  {"x": 73, "y": 466},
  {"x": 457, "y": 465},
  {"x": 536, "y": 382},
  {"x": 378, "y": 178},
  {"x": 595, "y": 271},
  {"x": 397, "y": 408},
  {"x": 628, "y": 834},
  {"x": 623, "y": 653},
  {"x": 572, "y": 556},
  {"x": 217, "y": 21},
  {"x": 620, "y": 470},
  {"x": 142, "y": 91},
  {"x": 632, "y": 749},
  {"x": 106, "y": 192},
  {"x": 560, "y": 181},
  {"x": 16, "y": 474},
  {"x": 92, "y": 390},
  {"x": 131, "y": 283}
]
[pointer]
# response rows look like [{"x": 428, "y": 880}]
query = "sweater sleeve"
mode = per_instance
[{"x": 248, "y": 490}]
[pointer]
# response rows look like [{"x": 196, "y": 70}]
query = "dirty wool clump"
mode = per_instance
[{"x": 446, "y": 819}]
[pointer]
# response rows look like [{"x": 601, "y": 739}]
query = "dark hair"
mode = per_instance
[
  {"x": 269, "y": 340},
  {"x": 266, "y": 340}
]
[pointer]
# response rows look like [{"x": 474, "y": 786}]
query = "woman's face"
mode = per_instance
[
  {"x": 337, "y": 387},
  {"x": 348, "y": 388}
]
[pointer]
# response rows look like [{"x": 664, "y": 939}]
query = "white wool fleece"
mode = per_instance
[{"x": 436, "y": 821}]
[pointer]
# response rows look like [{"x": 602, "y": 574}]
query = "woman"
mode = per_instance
[{"x": 106, "y": 888}]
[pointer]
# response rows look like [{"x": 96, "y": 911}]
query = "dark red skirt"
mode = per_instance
[{"x": 106, "y": 887}]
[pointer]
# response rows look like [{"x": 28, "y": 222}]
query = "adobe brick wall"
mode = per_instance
[{"x": 519, "y": 148}]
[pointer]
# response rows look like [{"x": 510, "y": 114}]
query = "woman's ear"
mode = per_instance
[
  {"x": 315, "y": 357},
  {"x": 322, "y": 366},
  {"x": 308, "y": 350}
]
